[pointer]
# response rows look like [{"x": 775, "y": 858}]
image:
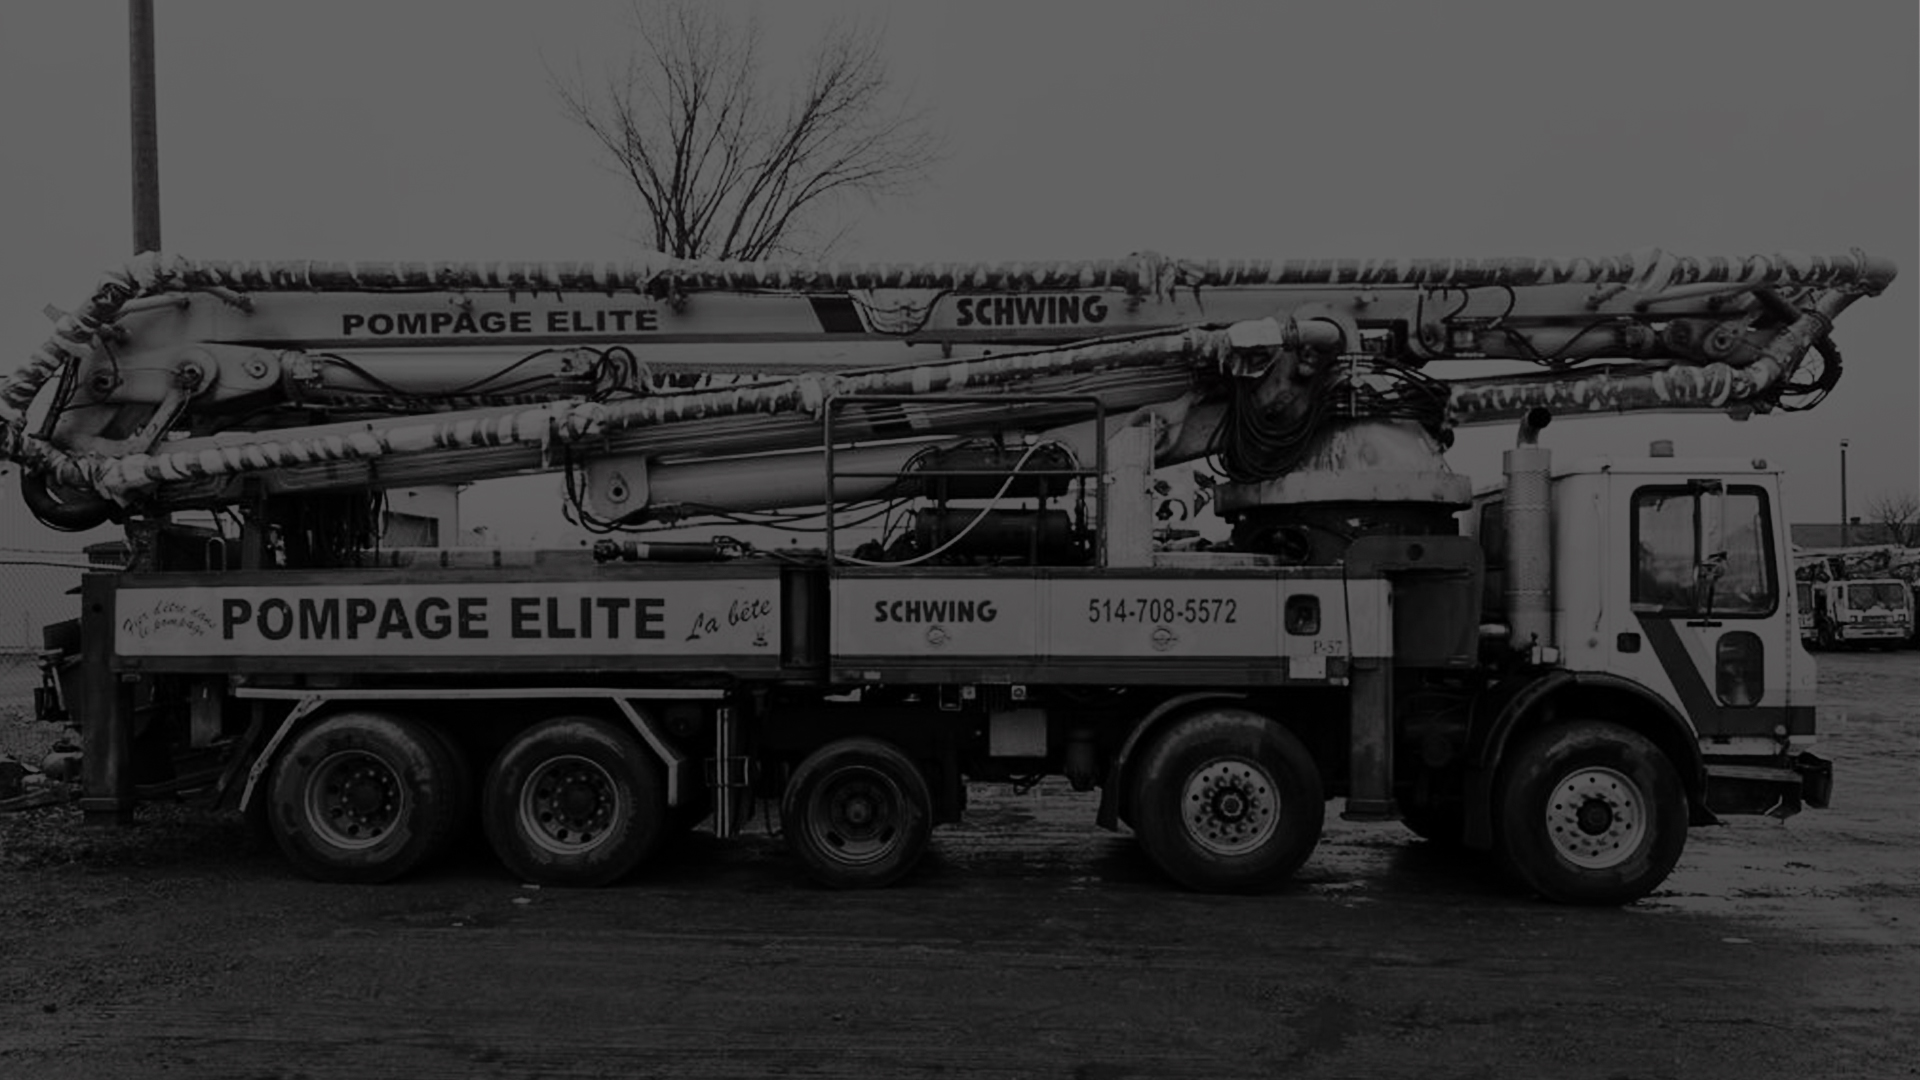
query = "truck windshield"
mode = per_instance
[{"x": 1891, "y": 595}]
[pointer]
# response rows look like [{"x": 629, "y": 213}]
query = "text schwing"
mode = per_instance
[{"x": 557, "y": 618}]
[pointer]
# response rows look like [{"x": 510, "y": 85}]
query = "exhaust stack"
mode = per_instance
[{"x": 1529, "y": 525}]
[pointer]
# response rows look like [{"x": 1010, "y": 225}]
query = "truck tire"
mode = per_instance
[
  {"x": 1227, "y": 800},
  {"x": 576, "y": 801},
  {"x": 1590, "y": 813},
  {"x": 363, "y": 797},
  {"x": 858, "y": 814}
]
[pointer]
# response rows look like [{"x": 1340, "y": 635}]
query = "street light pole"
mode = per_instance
[
  {"x": 1846, "y": 528},
  {"x": 146, "y": 128}
]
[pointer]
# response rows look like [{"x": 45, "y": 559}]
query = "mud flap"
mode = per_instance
[
  {"x": 1816, "y": 779},
  {"x": 1778, "y": 791}
]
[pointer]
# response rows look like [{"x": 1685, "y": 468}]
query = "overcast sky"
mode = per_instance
[{"x": 361, "y": 130}]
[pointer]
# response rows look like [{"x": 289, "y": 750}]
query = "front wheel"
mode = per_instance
[
  {"x": 1228, "y": 800},
  {"x": 574, "y": 800},
  {"x": 1590, "y": 813}
]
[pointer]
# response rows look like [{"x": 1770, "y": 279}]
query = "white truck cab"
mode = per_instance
[{"x": 1674, "y": 576}]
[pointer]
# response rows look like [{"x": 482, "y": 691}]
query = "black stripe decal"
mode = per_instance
[
  {"x": 1708, "y": 715},
  {"x": 837, "y": 314}
]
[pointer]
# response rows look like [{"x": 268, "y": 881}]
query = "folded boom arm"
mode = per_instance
[{"x": 180, "y": 384}]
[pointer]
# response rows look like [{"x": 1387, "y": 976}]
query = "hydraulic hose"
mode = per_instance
[{"x": 77, "y": 512}]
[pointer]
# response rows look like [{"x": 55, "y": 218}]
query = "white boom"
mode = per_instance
[{"x": 184, "y": 384}]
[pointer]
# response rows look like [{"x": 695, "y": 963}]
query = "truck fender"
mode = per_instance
[
  {"x": 1112, "y": 792},
  {"x": 679, "y": 768},
  {"x": 305, "y": 707},
  {"x": 1511, "y": 709}
]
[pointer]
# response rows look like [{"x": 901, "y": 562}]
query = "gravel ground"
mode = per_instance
[{"x": 1030, "y": 945}]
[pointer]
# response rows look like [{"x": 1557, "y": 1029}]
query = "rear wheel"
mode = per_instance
[
  {"x": 858, "y": 814},
  {"x": 363, "y": 797},
  {"x": 575, "y": 800},
  {"x": 1590, "y": 813},
  {"x": 1228, "y": 800}
]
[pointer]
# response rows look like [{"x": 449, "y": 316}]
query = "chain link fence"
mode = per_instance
[
  {"x": 38, "y": 588},
  {"x": 35, "y": 590}
]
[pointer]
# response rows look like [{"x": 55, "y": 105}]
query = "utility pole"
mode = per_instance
[
  {"x": 1846, "y": 527},
  {"x": 146, "y": 128}
]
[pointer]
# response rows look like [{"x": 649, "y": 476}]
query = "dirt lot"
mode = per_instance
[{"x": 1032, "y": 945}]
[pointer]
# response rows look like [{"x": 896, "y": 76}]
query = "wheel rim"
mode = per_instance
[
  {"x": 569, "y": 805},
  {"x": 355, "y": 799},
  {"x": 1230, "y": 806},
  {"x": 1596, "y": 818},
  {"x": 856, "y": 816}
]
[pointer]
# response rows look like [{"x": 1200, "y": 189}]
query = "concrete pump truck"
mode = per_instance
[{"x": 1567, "y": 669}]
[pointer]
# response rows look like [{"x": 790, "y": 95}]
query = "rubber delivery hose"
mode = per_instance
[{"x": 76, "y": 513}]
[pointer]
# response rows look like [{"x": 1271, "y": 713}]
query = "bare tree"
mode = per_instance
[
  {"x": 1899, "y": 515},
  {"x": 726, "y": 171}
]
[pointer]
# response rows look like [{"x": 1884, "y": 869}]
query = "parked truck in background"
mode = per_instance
[
  {"x": 1870, "y": 611},
  {"x": 1862, "y": 596},
  {"x": 1567, "y": 669}
]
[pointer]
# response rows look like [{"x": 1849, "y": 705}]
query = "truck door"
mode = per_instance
[{"x": 1707, "y": 592}]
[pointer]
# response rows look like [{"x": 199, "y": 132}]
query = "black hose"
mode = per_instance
[{"x": 76, "y": 513}]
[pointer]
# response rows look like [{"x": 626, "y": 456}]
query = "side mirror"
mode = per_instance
[{"x": 1713, "y": 542}]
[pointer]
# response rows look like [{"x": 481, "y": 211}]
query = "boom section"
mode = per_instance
[{"x": 178, "y": 383}]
